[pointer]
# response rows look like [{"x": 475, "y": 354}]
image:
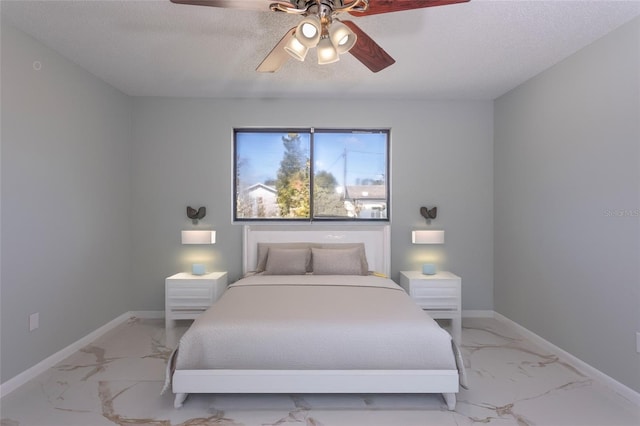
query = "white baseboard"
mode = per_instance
[
  {"x": 147, "y": 314},
  {"x": 574, "y": 361},
  {"x": 22, "y": 378}
]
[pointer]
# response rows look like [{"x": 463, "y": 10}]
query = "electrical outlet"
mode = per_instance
[{"x": 34, "y": 321}]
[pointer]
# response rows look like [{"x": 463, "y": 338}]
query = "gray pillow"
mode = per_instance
[
  {"x": 361, "y": 251},
  {"x": 286, "y": 261},
  {"x": 263, "y": 252},
  {"x": 333, "y": 261}
]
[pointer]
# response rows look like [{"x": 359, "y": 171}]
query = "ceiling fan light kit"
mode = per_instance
[
  {"x": 321, "y": 29},
  {"x": 331, "y": 38},
  {"x": 296, "y": 49}
]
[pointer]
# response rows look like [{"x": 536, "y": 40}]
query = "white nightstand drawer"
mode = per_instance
[
  {"x": 429, "y": 291},
  {"x": 182, "y": 283},
  {"x": 441, "y": 303},
  {"x": 186, "y": 291},
  {"x": 180, "y": 302},
  {"x": 432, "y": 283}
]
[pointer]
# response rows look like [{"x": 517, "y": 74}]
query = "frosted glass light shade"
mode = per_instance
[
  {"x": 427, "y": 237},
  {"x": 296, "y": 49},
  {"x": 327, "y": 54},
  {"x": 199, "y": 237},
  {"x": 342, "y": 37},
  {"x": 308, "y": 31}
]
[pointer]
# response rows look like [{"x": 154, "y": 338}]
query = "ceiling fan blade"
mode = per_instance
[
  {"x": 230, "y": 4},
  {"x": 386, "y": 6},
  {"x": 368, "y": 51},
  {"x": 278, "y": 56}
]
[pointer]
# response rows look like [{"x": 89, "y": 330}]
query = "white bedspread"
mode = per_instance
[{"x": 315, "y": 322}]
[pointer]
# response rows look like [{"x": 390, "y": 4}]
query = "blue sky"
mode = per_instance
[{"x": 365, "y": 154}]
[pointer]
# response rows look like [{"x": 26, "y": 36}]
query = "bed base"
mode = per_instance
[{"x": 316, "y": 381}]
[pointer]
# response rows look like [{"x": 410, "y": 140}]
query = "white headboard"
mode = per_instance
[{"x": 376, "y": 239}]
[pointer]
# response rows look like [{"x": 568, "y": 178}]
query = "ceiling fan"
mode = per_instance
[{"x": 321, "y": 28}]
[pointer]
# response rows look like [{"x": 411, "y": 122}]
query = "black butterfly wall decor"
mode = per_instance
[
  {"x": 429, "y": 213},
  {"x": 196, "y": 215}
]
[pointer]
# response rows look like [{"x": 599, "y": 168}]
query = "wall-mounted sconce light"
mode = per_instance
[
  {"x": 199, "y": 237},
  {"x": 428, "y": 237},
  {"x": 429, "y": 213},
  {"x": 196, "y": 215}
]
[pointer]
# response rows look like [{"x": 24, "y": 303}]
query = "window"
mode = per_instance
[{"x": 311, "y": 174}]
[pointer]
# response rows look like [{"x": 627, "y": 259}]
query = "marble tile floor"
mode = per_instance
[{"x": 117, "y": 381}]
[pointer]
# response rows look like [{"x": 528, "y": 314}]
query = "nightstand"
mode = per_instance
[
  {"x": 188, "y": 295},
  {"x": 439, "y": 294}
]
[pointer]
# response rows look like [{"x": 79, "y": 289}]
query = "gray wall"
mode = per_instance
[
  {"x": 567, "y": 200},
  {"x": 182, "y": 155},
  {"x": 66, "y": 202}
]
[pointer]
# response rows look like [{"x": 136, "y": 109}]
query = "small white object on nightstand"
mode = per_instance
[
  {"x": 439, "y": 294},
  {"x": 187, "y": 295}
]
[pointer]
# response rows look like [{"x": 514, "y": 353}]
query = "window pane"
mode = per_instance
[
  {"x": 273, "y": 169},
  {"x": 272, "y": 174},
  {"x": 350, "y": 174}
]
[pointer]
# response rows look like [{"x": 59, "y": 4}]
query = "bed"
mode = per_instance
[{"x": 315, "y": 313}]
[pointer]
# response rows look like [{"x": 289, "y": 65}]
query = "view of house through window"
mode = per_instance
[{"x": 310, "y": 174}]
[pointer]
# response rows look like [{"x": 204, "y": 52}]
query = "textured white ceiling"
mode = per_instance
[{"x": 475, "y": 50}]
